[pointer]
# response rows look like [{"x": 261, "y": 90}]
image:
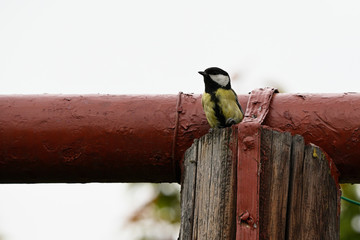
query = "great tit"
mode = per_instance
[{"x": 219, "y": 101}]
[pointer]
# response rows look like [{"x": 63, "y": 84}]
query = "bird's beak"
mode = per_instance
[{"x": 202, "y": 73}]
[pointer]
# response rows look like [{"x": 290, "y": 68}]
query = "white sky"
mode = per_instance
[{"x": 123, "y": 47}]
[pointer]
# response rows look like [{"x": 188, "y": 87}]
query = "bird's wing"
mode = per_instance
[
  {"x": 202, "y": 100},
  {"x": 237, "y": 101}
]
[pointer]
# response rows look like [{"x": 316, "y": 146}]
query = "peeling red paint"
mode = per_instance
[
  {"x": 248, "y": 160},
  {"x": 249, "y": 143}
]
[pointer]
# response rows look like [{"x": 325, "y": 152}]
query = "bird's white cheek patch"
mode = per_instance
[{"x": 220, "y": 79}]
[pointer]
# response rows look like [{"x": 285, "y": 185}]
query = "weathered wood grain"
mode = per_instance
[
  {"x": 319, "y": 200},
  {"x": 298, "y": 195},
  {"x": 275, "y": 165},
  {"x": 208, "y": 188},
  {"x": 296, "y": 180},
  {"x": 188, "y": 192}
]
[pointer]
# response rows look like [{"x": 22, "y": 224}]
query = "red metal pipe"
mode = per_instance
[
  {"x": 89, "y": 138},
  {"x": 107, "y": 138},
  {"x": 331, "y": 121}
]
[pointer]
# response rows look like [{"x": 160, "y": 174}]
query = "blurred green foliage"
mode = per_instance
[
  {"x": 350, "y": 214},
  {"x": 162, "y": 210}
]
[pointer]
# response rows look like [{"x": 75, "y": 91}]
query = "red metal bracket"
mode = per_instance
[{"x": 248, "y": 173}]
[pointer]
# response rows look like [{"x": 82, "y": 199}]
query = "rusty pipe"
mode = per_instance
[{"x": 130, "y": 138}]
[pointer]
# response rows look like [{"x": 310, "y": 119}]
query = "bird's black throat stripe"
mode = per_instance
[{"x": 218, "y": 113}]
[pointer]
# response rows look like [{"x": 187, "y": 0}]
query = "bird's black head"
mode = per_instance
[{"x": 215, "y": 78}]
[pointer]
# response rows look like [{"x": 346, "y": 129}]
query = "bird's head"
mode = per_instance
[{"x": 215, "y": 77}]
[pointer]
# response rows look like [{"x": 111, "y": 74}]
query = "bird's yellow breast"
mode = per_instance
[
  {"x": 209, "y": 109},
  {"x": 227, "y": 105}
]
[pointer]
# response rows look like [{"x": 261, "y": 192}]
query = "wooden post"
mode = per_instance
[
  {"x": 299, "y": 194},
  {"x": 208, "y": 188}
]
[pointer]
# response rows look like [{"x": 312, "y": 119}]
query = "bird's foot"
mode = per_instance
[{"x": 230, "y": 122}]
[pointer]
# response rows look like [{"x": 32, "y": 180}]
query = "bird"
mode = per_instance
[{"x": 219, "y": 101}]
